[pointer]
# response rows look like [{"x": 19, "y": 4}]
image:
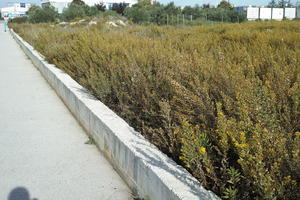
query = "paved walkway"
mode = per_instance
[{"x": 42, "y": 147}]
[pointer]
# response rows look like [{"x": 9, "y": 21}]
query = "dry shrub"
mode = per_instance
[{"x": 223, "y": 101}]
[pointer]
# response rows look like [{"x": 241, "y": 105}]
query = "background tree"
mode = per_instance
[
  {"x": 143, "y": 12},
  {"x": 79, "y": 2},
  {"x": 37, "y": 14},
  {"x": 119, "y": 8},
  {"x": 78, "y": 10},
  {"x": 289, "y": 3},
  {"x": 273, "y": 4},
  {"x": 171, "y": 9},
  {"x": 206, "y": 5},
  {"x": 140, "y": 12},
  {"x": 195, "y": 11},
  {"x": 284, "y": 3},
  {"x": 225, "y": 4},
  {"x": 100, "y": 7}
]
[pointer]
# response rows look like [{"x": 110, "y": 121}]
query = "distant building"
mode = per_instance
[
  {"x": 15, "y": 10},
  {"x": 252, "y": 13},
  {"x": 241, "y": 8},
  {"x": 154, "y": 2},
  {"x": 61, "y": 4},
  {"x": 265, "y": 13}
]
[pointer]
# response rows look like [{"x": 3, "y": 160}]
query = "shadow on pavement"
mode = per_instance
[{"x": 19, "y": 193}]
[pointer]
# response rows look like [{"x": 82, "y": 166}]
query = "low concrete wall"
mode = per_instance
[{"x": 148, "y": 172}]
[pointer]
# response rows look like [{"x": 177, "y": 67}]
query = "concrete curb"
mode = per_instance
[{"x": 147, "y": 171}]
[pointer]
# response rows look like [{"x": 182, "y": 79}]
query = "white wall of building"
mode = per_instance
[
  {"x": 16, "y": 10},
  {"x": 252, "y": 13},
  {"x": 265, "y": 13},
  {"x": 290, "y": 13},
  {"x": 272, "y": 13},
  {"x": 277, "y": 13}
]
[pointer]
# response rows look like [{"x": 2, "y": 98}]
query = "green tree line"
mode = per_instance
[
  {"x": 141, "y": 13},
  {"x": 144, "y": 12}
]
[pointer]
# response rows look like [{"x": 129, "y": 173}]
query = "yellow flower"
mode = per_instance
[
  {"x": 242, "y": 145},
  {"x": 208, "y": 169},
  {"x": 202, "y": 150}
]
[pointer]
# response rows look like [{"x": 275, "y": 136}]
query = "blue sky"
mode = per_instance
[{"x": 177, "y": 2}]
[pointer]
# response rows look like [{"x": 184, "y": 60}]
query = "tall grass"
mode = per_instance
[{"x": 223, "y": 101}]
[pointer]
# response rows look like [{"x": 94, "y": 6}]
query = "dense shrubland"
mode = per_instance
[{"x": 223, "y": 101}]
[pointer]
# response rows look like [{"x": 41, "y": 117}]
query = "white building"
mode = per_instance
[
  {"x": 61, "y": 4},
  {"x": 264, "y": 13},
  {"x": 15, "y": 10},
  {"x": 241, "y": 8}
]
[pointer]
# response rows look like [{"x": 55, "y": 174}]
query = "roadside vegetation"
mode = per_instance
[{"x": 223, "y": 101}]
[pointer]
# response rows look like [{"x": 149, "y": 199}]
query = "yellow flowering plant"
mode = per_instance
[{"x": 222, "y": 101}]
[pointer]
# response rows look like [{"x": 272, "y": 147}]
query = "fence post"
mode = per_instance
[
  {"x": 284, "y": 11},
  {"x": 4, "y": 24},
  {"x": 167, "y": 19},
  {"x": 272, "y": 13}
]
